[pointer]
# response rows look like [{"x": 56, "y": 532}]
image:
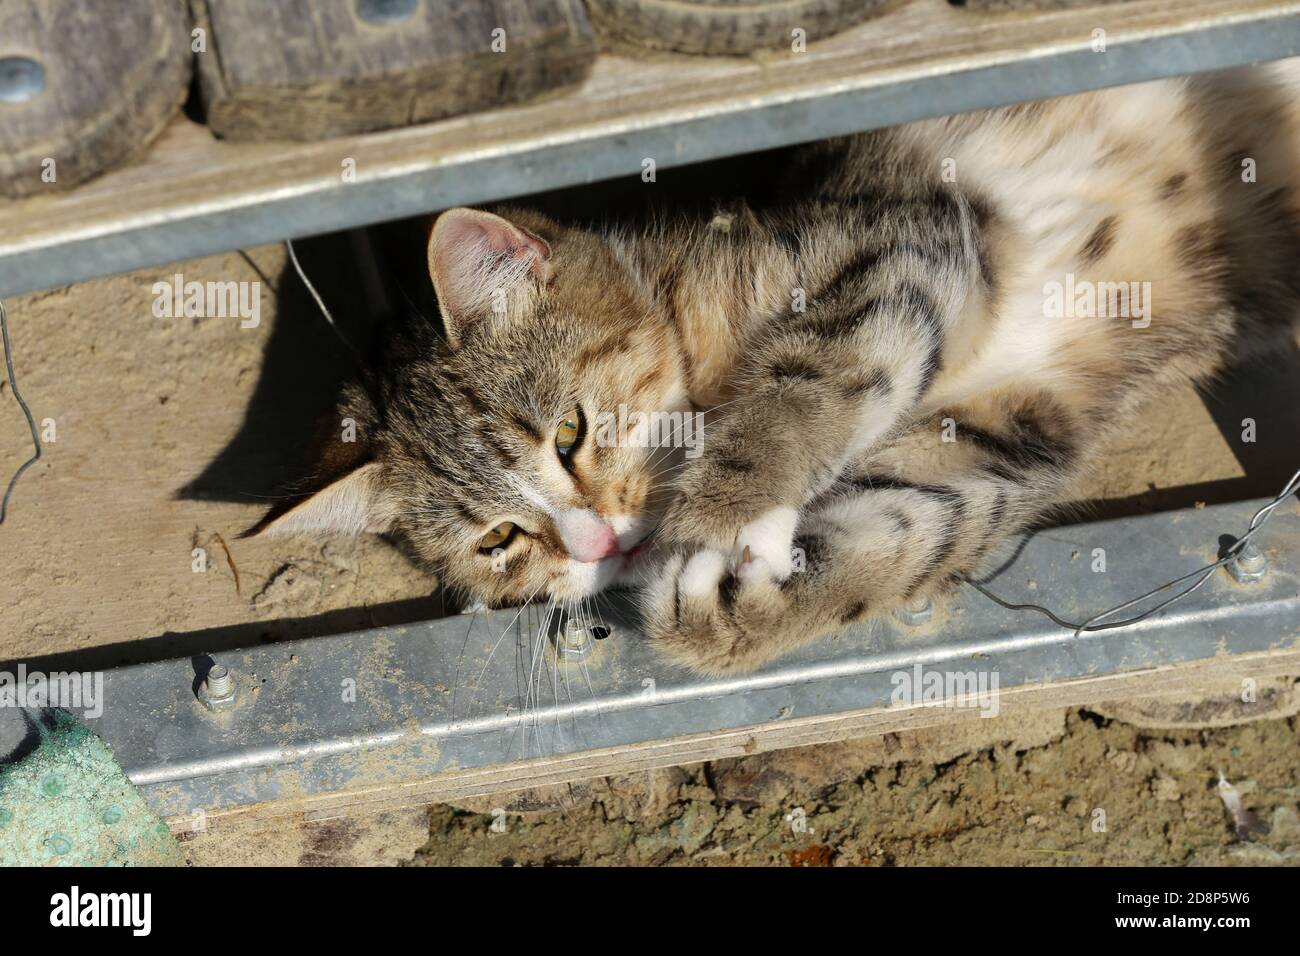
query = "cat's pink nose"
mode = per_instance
[
  {"x": 586, "y": 536},
  {"x": 599, "y": 545}
]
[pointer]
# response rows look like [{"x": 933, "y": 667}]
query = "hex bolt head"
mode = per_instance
[
  {"x": 218, "y": 690},
  {"x": 915, "y": 612},
  {"x": 1249, "y": 565}
]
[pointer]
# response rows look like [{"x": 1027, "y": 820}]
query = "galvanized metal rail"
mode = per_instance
[
  {"x": 461, "y": 705},
  {"x": 191, "y": 195}
]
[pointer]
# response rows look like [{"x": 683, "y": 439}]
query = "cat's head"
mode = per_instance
[{"x": 494, "y": 450}]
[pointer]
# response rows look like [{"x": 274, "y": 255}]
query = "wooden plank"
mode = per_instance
[
  {"x": 192, "y": 195},
  {"x": 98, "y": 85},
  {"x": 96, "y": 550},
  {"x": 307, "y": 70}
]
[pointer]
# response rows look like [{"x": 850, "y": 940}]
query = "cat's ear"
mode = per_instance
[
  {"x": 351, "y": 503},
  {"x": 483, "y": 265}
]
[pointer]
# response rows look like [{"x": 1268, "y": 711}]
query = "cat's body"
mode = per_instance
[{"x": 897, "y": 342}]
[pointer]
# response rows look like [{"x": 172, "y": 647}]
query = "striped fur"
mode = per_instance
[{"x": 890, "y": 394}]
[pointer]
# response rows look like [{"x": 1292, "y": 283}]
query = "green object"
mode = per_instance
[{"x": 68, "y": 803}]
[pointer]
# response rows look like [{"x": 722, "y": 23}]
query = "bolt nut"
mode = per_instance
[
  {"x": 915, "y": 612},
  {"x": 218, "y": 690},
  {"x": 1249, "y": 565},
  {"x": 574, "y": 641}
]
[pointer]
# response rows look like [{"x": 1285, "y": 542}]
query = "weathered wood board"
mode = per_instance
[
  {"x": 83, "y": 86},
  {"x": 312, "y": 69}
]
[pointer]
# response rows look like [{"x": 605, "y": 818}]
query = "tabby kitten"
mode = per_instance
[{"x": 912, "y": 349}]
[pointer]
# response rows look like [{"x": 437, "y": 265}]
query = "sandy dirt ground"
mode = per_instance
[
  {"x": 166, "y": 437},
  {"x": 1091, "y": 791},
  {"x": 172, "y": 435}
]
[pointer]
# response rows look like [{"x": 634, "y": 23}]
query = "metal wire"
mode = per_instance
[
  {"x": 31, "y": 423},
  {"x": 1256, "y": 522},
  {"x": 293, "y": 257}
]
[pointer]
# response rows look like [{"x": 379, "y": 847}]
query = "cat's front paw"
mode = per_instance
[
  {"x": 720, "y": 494},
  {"x": 767, "y": 537},
  {"x": 719, "y": 612}
]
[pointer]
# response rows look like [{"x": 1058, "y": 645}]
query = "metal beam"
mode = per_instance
[
  {"x": 390, "y": 707},
  {"x": 44, "y": 242}
]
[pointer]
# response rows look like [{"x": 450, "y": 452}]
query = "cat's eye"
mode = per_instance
[
  {"x": 568, "y": 433},
  {"x": 497, "y": 537}
]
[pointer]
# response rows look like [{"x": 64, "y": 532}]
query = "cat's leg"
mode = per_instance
[
  {"x": 817, "y": 387},
  {"x": 897, "y": 523}
]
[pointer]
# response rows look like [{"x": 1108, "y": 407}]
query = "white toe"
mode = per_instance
[
  {"x": 702, "y": 573},
  {"x": 755, "y": 570},
  {"x": 770, "y": 540}
]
